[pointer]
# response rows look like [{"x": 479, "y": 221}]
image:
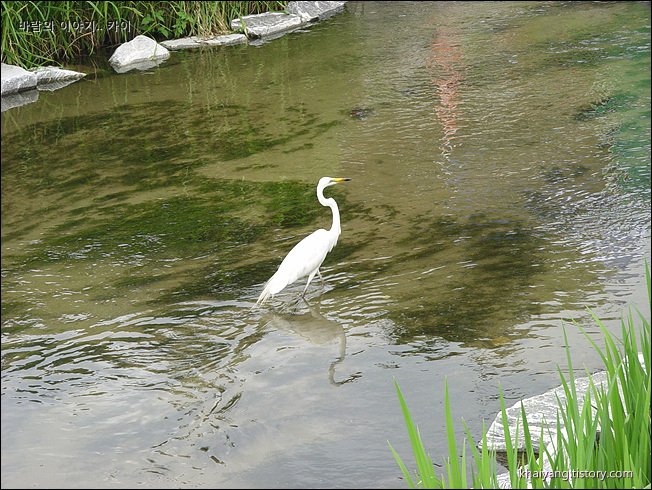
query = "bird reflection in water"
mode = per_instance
[{"x": 314, "y": 328}]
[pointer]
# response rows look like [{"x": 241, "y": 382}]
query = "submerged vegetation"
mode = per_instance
[
  {"x": 36, "y": 33},
  {"x": 605, "y": 442}
]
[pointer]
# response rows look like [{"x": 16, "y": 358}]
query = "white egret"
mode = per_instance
[{"x": 307, "y": 256}]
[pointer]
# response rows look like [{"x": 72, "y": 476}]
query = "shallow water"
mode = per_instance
[{"x": 500, "y": 162}]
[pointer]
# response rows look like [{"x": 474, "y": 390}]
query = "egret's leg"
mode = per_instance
[
  {"x": 296, "y": 304},
  {"x": 323, "y": 284},
  {"x": 295, "y": 307},
  {"x": 312, "y": 274}
]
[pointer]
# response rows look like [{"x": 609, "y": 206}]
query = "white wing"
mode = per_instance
[{"x": 304, "y": 259}]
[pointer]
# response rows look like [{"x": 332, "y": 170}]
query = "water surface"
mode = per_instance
[{"x": 500, "y": 162}]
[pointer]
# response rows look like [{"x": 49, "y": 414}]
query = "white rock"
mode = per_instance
[
  {"x": 16, "y": 79},
  {"x": 541, "y": 411},
  {"x": 140, "y": 49},
  {"x": 198, "y": 42},
  {"x": 270, "y": 24},
  {"x": 52, "y": 78},
  {"x": 313, "y": 11}
]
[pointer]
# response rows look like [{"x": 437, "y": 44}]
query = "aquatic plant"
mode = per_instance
[{"x": 609, "y": 434}]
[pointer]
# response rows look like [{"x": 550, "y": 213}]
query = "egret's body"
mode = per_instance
[{"x": 307, "y": 256}]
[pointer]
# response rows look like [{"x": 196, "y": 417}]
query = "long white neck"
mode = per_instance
[{"x": 330, "y": 202}]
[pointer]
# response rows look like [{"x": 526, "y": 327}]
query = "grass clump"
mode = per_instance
[
  {"x": 35, "y": 33},
  {"x": 603, "y": 442}
]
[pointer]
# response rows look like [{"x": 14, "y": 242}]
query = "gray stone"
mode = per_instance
[
  {"x": 16, "y": 79},
  {"x": 270, "y": 24},
  {"x": 198, "y": 42},
  {"x": 314, "y": 11},
  {"x": 540, "y": 410},
  {"x": 138, "y": 53},
  {"x": 51, "y": 78}
]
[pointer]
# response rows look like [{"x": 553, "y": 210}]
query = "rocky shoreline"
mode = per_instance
[{"x": 20, "y": 86}]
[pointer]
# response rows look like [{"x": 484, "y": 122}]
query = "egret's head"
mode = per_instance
[{"x": 326, "y": 181}]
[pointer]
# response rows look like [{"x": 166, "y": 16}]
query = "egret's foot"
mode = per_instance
[
  {"x": 305, "y": 300},
  {"x": 293, "y": 306}
]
